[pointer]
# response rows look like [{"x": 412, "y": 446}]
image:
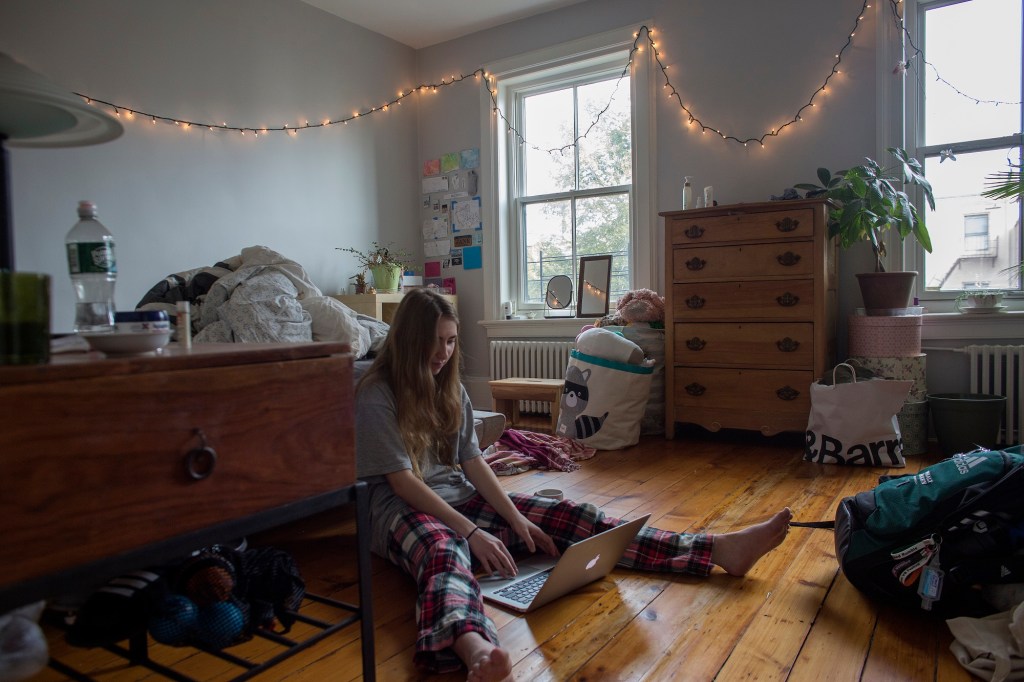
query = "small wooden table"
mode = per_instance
[
  {"x": 380, "y": 306},
  {"x": 507, "y": 393}
]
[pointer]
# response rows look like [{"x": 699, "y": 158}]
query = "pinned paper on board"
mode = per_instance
[
  {"x": 437, "y": 247},
  {"x": 431, "y": 167},
  {"x": 449, "y": 162},
  {"x": 472, "y": 258},
  {"x": 462, "y": 240},
  {"x": 470, "y": 158},
  {"x": 432, "y": 268},
  {"x": 435, "y": 228},
  {"x": 437, "y": 184},
  {"x": 466, "y": 214},
  {"x": 449, "y": 284}
]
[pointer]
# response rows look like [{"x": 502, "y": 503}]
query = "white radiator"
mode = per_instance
[
  {"x": 999, "y": 370},
  {"x": 530, "y": 359}
]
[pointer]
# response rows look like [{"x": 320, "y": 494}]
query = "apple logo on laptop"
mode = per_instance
[{"x": 593, "y": 562}]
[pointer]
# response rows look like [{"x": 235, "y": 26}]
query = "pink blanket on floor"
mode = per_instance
[{"x": 518, "y": 451}]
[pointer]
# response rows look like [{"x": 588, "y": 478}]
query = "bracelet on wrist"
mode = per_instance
[{"x": 475, "y": 529}]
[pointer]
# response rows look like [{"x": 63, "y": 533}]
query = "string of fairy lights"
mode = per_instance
[
  {"x": 916, "y": 53},
  {"x": 644, "y": 37}
]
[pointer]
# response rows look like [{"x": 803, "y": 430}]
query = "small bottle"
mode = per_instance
[
  {"x": 93, "y": 270},
  {"x": 183, "y": 323},
  {"x": 687, "y": 192}
]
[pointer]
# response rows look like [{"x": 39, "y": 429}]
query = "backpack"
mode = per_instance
[{"x": 927, "y": 539}]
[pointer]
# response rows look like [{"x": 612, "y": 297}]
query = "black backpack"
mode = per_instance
[{"x": 928, "y": 539}]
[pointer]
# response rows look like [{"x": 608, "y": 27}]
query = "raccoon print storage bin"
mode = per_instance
[{"x": 603, "y": 401}]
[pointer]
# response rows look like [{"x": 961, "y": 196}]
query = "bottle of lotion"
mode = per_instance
[{"x": 687, "y": 192}]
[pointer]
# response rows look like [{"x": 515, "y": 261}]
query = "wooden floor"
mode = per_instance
[{"x": 794, "y": 617}]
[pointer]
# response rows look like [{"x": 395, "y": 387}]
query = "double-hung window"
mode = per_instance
[
  {"x": 571, "y": 161},
  {"x": 964, "y": 122}
]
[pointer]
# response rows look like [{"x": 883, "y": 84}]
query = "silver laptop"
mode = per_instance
[{"x": 544, "y": 578}]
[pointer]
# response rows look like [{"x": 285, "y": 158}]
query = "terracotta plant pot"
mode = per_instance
[{"x": 886, "y": 291}]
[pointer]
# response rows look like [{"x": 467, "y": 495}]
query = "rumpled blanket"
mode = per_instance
[
  {"x": 518, "y": 451},
  {"x": 991, "y": 648},
  {"x": 262, "y": 296}
]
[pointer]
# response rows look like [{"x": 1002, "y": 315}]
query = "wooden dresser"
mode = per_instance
[
  {"x": 116, "y": 463},
  {"x": 750, "y": 314}
]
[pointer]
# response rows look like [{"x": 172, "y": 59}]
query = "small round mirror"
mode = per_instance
[{"x": 559, "y": 292}]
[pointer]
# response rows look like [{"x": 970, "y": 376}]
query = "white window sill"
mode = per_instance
[
  {"x": 541, "y": 327},
  {"x": 994, "y": 326}
]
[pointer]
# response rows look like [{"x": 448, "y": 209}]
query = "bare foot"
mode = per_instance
[
  {"x": 486, "y": 662},
  {"x": 737, "y": 552}
]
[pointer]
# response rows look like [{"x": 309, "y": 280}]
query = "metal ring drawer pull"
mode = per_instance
[
  {"x": 696, "y": 263},
  {"x": 787, "y": 393},
  {"x": 696, "y": 343},
  {"x": 695, "y": 389},
  {"x": 788, "y": 259},
  {"x": 694, "y": 232},
  {"x": 695, "y": 301},
  {"x": 200, "y": 462},
  {"x": 787, "y": 224},
  {"x": 787, "y": 300},
  {"x": 787, "y": 345}
]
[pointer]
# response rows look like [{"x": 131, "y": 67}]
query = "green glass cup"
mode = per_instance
[{"x": 24, "y": 318}]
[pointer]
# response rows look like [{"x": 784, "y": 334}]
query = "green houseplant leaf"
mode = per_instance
[{"x": 866, "y": 202}]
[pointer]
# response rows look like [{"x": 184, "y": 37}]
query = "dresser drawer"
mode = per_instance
[
  {"x": 740, "y": 226},
  {"x": 756, "y": 344},
  {"x": 766, "y": 400},
  {"x": 98, "y": 466},
  {"x": 782, "y": 259},
  {"x": 765, "y": 300}
]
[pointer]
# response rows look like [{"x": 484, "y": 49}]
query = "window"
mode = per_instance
[
  {"x": 971, "y": 58},
  {"x": 571, "y": 150},
  {"x": 575, "y": 201}
]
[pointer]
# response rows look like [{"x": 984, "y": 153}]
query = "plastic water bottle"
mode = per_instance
[{"x": 93, "y": 270}]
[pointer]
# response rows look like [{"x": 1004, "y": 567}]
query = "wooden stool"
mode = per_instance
[{"x": 508, "y": 392}]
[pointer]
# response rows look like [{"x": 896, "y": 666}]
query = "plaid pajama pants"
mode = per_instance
[{"x": 449, "y": 603}]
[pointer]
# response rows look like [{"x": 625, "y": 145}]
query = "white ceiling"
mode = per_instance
[{"x": 421, "y": 23}]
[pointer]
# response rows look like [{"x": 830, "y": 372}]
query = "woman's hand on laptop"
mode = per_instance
[
  {"x": 533, "y": 536},
  {"x": 492, "y": 554}
]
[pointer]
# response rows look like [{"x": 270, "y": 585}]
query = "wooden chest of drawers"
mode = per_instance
[{"x": 750, "y": 314}]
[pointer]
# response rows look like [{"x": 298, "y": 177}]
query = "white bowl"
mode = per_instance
[{"x": 124, "y": 343}]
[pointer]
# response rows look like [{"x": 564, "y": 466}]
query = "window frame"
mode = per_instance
[
  {"x": 574, "y": 57},
  {"x": 902, "y": 115}
]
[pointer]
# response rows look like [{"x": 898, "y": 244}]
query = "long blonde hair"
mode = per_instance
[{"x": 429, "y": 407}]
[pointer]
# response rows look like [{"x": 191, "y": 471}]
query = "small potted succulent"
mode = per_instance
[
  {"x": 865, "y": 204},
  {"x": 385, "y": 263}
]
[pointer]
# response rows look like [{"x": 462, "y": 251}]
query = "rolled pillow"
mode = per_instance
[{"x": 609, "y": 345}]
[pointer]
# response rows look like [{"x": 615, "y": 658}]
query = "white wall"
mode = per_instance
[
  {"x": 744, "y": 66},
  {"x": 177, "y": 200}
]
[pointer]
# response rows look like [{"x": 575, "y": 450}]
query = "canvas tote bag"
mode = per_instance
[
  {"x": 855, "y": 422},
  {"x": 603, "y": 401}
]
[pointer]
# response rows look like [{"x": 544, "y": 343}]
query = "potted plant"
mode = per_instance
[
  {"x": 1007, "y": 184},
  {"x": 384, "y": 262},
  {"x": 865, "y": 205}
]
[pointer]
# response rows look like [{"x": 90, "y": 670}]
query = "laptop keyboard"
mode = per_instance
[{"x": 525, "y": 590}]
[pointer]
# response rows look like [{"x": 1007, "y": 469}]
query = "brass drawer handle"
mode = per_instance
[
  {"x": 695, "y": 301},
  {"x": 695, "y": 389},
  {"x": 696, "y": 263},
  {"x": 200, "y": 462},
  {"x": 788, "y": 259},
  {"x": 787, "y": 345},
  {"x": 694, "y": 232},
  {"x": 787, "y": 300},
  {"x": 787, "y": 224},
  {"x": 696, "y": 343},
  {"x": 787, "y": 393}
]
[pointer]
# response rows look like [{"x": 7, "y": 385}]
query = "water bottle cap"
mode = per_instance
[{"x": 86, "y": 209}]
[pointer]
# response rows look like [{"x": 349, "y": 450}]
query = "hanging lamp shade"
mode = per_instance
[{"x": 35, "y": 112}]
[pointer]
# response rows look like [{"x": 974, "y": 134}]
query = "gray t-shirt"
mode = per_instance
[{"x": 380, "y": 451}]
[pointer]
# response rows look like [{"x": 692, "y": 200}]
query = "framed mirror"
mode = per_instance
[
  {"x": 595, "y": 281},
  {"x": 558, "y": 297}
]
